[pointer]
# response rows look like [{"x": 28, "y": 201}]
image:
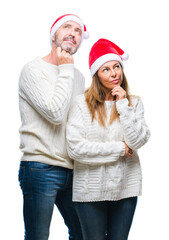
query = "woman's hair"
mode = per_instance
[{"x": 95, "y": 99}]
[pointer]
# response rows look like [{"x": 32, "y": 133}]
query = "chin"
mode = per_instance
[{"x": 68, "y": 48}]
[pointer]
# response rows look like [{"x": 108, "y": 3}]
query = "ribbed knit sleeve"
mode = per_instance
[
  {"x": 81, "y": 149},
  {"x": 135, "y": 129},
  {"x": 50, "y": 100}
]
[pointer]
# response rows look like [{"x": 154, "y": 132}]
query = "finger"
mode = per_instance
[
  {"x": 116, "y": 90},
  {"x": 130, "y": 150},
  {"x": 119, "y": 89},
  {"x": 65, "y": 54},
  {"x": 129, "y": 154},
  {"x": 64, "y": 51},
  {"x": 58, "y": 51},
  {"x": 119, "y": 92},
  {"x": 116, "y": 94}
]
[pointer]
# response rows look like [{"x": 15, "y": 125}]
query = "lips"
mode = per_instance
[
  {"x": 70, "y": 39},
  {"x": 115, "y": 81}
]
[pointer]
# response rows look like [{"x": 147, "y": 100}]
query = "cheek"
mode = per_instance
[
  {"x": 57, "y": 38},
  {"x": 102, "y": 77},
  {"x": 120, "y": 75},
  {"x": 61, "y": 34},
  {"x": 105, "y": 82},
  {"x": 78, "y": 39}
]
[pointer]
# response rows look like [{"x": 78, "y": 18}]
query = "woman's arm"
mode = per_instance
[
  {"x": 136, "y": 132},
  {"x": 85, "y": 151}
]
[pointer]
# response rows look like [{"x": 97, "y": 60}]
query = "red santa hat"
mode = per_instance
[
  {"x": 68, "y": 17},
  {"x": 103, "y": 51}
]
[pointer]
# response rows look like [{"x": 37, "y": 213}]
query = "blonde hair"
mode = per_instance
[{"x": 95, "y": 99}]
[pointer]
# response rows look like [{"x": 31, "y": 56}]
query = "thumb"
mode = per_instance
[{"x": 58, "y": 51}]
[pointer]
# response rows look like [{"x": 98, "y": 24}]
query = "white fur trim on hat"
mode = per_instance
[{"x": 103, "y": 59}]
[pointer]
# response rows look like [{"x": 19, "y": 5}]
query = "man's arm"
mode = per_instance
[{"x": 52, "y": 102}]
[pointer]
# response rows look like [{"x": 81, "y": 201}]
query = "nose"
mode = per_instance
[
  {"x": 72, "y": 32},
  {"x": 113, "y": 72}
]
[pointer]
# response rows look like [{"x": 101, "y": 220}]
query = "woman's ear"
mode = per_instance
[{"x": 122, "y": 76}]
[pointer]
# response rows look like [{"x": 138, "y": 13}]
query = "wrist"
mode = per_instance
[{"x": 66, "y": 70}]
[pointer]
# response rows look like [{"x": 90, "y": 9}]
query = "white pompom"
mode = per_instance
[
  {"x": 125, "y": 56},
  {"x": 86, "y": 35}
]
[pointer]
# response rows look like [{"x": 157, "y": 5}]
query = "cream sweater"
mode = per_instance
[
  {"x": 45, "y": 93},
  {"x": 101, "y": 171}
]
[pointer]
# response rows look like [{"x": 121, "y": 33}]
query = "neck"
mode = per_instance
[
  {"x": 51, "y": 58},
  {"x": 109, "y": 96}
]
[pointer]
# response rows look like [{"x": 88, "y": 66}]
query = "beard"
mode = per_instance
[{"x": 67, "y": 46}]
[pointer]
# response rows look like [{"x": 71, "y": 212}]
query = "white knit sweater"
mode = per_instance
[
  {"x": 101, "y": 171},
  {"x": 45, "y": 93}
]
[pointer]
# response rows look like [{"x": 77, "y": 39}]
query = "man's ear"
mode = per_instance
[
  {"x": 53, "y": 42},
  {"x": 53, "y": 38}
]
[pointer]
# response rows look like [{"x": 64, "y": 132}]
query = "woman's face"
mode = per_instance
[{"x": 110, "y": 74}]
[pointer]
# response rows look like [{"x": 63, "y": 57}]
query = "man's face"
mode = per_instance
[{"x": 68, "y": 36}]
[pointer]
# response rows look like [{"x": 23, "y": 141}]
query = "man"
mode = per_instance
[{"x": 46, "y": 88}]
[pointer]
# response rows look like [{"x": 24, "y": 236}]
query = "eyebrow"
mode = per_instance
[
  {"x": 67, "y": 24},
  {"x": 113, "y": 65},
  {"x": 70, "y": 25}
]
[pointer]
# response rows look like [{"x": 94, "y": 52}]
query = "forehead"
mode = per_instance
[
  {"x": 110, "y": 63},
  {"x": 73, "y": 24}
]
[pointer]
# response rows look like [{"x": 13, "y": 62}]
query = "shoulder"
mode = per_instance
[
  {"x": 30, "y": 72},
  {"x": 33, "y": 64},
  {"x": 78, "y": 74},
  {"x": 78, "y": 103},
  {"x": 79, "y": 100}
]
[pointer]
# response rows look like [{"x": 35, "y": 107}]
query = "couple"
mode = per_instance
[{"x": 96, "y": 133}]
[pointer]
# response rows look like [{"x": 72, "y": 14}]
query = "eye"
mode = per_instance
[
  {"x": 78, "y": 30},
  {"x": 66, "y": 26},
  {"x": 105, "y": 69},
  {"x": 117, "y": 66}
]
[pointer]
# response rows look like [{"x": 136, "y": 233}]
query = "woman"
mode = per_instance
[{"x": 105, "y": 129}]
